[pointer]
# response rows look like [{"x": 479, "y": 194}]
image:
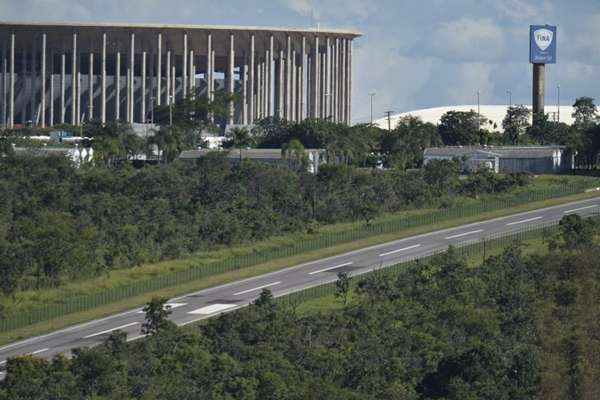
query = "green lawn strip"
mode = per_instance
[
  {"x": 330, "y": 303},
  {"x": 119, "y": 278}
]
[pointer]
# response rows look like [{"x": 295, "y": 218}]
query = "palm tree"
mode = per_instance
[
  {"x": 294, "y": 153},
  {"x": 239, "y": 137}
]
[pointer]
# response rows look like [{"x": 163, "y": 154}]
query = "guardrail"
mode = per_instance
[{"x": 319, "y": 241}]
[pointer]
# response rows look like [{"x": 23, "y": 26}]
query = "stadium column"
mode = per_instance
[
  {"x": 209, "y": 73},
  {"x": 288, "y": 79},
  {"x": 168, "y": 83},
  {"x": 33, "y": 100},
  {"x": 281, "y": 86},
  {"x": 192, "y": 74},
  {"x": 231, "y": 78},
  {"x": 212, "y": 82},
  {"x": 63, "y": 75},
  {"x": 43, "y": 92},
  {"x": 51, "y": 119},
  {"x": 349, "y": 84},
  {"x": 4, "y": 83},
  {"x": 23, "y": 83},
  {"x": 259, "y": 103},
  {"x": 293, "y": 83},
  {"x": 302, "y": 85},
  {"x": 118, "y": 88},
  {"x": 244, "y": 74},
  {"x": 336, "y": 81},
  {"x": 327, "y": 79},
  {"x": 159, "y": 70},
  {"x": 344, "y": 102},
  {"x": 315, "y": 83},
  {"x": 12, "y": 82},
  {"x": 91, "y": 88},
  {"x": 184, "y": 67},
  {"x": 270, "y": 95},
  {"x": 251, "y": 79},
  {"x": 78, "y": 117},
  {"x": 103, "y": 72},
  {"x": 132, "y": 80},
  {"x": 74, "y": 82},
  {"x": 143, "y": 108}
]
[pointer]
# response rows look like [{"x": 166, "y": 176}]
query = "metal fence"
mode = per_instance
[
  {"x": 484, "y": 248},
  {"x": 318, "y": 241}
]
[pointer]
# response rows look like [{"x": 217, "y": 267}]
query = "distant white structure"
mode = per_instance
[{"x": 494, "y": 115}]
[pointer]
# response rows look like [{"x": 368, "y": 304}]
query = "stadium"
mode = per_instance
[{"x": 71, "y": 73}]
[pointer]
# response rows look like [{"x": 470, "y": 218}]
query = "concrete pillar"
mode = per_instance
[
  {"x": 168, "y": 99},
  {"x": 315, "y": 83},
  {"x": 159, "y": 71},
  {"x": 43, "y": 99},
  {"x": 128, "y": 98},
  {"x": 294, "y": 82},
  {"x": 231, "y": 78},
  {"x": 327, "y": 95},
  {"x": 118, "y": 88},
  {"x": 302, "y": 90},
  {"x": 143, "y": 110},
  {"x": 271, "y": 81},
  {"x": 11, "y": 123},
  {"x": 281, "y": 86},
  {"x": 209, "y": 73},
  {"x": 344, "y": 96},
  {"x": 132, "y": 80},
  {"x": 212, "y": 82},
  {"x": 63, "y": 74},
  {"x": 74, "y": 82},
  {"x": 24, "y": 90},
  {"x": 173, "y": 81},
  {"x": 259, "y": 91},
  {"x": 288, "y": 80},
  {"x": 251, "y": 79},
  {"x": 335, "y": 81},
  {"x": 33, "y": 78},
  {"x": 539, "y": 77},
  {"x": 267, "y": 96},
  {"x": 79, "y": 85},
  {"x": 192, "y": 74},
  {"x": 4, "y": 86},
  {"x": 308, "y": 97},
  {"x": 245, "y": 93},
  {"x": 51, "y": 119},
  {"x": 103, "y": 72},
  {"x": 184, "y": 69},
  {"x": 349, "y": 83},
  {"x": 91, "y": 89}
]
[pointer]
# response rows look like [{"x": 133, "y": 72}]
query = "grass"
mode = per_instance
[{"x": 28, "y": 300}]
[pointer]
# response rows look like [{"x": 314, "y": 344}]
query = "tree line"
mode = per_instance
[
  {"x": 521, "y": 325},
  {"x": 60, "y": 223}
]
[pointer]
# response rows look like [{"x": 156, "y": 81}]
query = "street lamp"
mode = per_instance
[{"x": 372, "y": 94}]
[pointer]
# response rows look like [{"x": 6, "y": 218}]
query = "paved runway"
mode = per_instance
[{"x": 210, "y": 302}]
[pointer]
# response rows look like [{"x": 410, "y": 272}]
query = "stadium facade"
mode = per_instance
[{"x": 70, "y": 73}]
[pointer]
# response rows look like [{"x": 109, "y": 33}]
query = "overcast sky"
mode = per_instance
[{"x": 414, "y": 54}]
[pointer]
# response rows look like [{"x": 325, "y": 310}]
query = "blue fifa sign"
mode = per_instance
[{"x": 542, "y": 44}]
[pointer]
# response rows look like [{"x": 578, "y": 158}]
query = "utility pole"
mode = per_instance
[
  {"x": 389, "y": 119},
  {"x": 372, "y": 94}
]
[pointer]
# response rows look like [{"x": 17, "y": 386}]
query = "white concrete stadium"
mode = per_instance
[
  {"x": 494, "y": 115},
  {"x": 68, "y": 73}
]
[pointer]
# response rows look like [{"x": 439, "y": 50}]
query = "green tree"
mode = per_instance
[
  {"x": 156, "y": 316},
  {"x": 442, "y": 175},
  {"x": 239, "y": 138},
  {"x": 343, "y": 286},
  {"x": 295, "y": 154},
  {"x": 576, "y": 232},
  {"x": 515, "y": 123},
  {"x": 586, "y": 113},
  {"x": 459, "y": 128}
]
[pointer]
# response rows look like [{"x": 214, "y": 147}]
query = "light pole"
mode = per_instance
[
  {"x": 372, "y": 94},
  {"x": 389, "y": 119},
  {"x": 558, "y": 102}
]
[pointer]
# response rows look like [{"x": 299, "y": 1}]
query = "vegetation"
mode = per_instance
[{"x": 517, "y": 327}]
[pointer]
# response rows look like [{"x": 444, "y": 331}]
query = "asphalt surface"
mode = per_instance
[{"x": 211, "y": 302}]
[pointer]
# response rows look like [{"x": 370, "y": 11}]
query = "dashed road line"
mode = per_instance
[
  {"x": 256, "y": 288},
  {"x": 33, "y": 353},
  {"x": 580, "y": 209},
  {"x": 212, "y": 309},
  {"x": 464, "y": 234},
  {"x": 110, "y": 330},
  {"x": 330, "y": 268},
  {"x": 400, "y": 250},
  {"x": 524, "y": 221}
]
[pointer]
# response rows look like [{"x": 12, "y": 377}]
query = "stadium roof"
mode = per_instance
[
  {"x": 494, "y": 114},
  {"x": 227, "y": 28}
]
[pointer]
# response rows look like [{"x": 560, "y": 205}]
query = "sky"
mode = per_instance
[{"x": 413, "y": 54}]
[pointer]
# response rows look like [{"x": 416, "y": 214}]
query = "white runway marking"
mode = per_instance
[
  {"x": 524, "y": 221},
  {"x": 256, "y": 288},
  {"x": 399, "y": 250},
  {"x": 330, "y": 268},
  {"x": 212, "y": 309},
  {"x": 464, "y": 234},
  {"x": 110, "y": 330},
  {"x": 168, "y": 306},
  {"x": 33, "y": 353},
  {"x": 580, "y": 209}
]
